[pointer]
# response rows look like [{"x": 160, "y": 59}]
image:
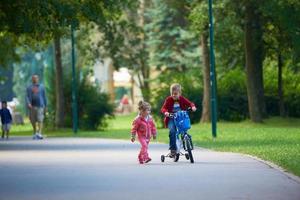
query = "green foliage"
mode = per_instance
[
  {"x": 291, "y": 88},
  {"x": 7, "y": 50},
  {"x": 32, "y": 63},
  {"x": 36, "y": 22},
  {"x": 168, "y": 40},
  {"x": 199, "y": 17},
  {"x": 6, "y": 84},
  {"x": 93, "y": 106},
  {"x": 232, "y": 96}
]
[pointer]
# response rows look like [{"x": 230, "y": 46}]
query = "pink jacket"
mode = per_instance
[{"x": 143, "y": 127}]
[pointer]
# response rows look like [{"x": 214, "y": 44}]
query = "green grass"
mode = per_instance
[{"x": 276, "y": 140}]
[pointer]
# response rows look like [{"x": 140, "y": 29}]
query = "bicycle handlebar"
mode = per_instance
[{"x": 171, "y": 115}]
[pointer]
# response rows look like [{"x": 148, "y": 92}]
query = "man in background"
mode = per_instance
[{"x": 36, "y": 103}]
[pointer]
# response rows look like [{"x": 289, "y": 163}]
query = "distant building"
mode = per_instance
[
  {"x": 103, "y": 74},
  {"x": 117, "y": 83}
]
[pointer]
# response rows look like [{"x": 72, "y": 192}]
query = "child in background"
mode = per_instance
[
  {"x": 172, "y": 104},
  {"x": 143, "y": 126},
  {"x": 6, "y": 119}
]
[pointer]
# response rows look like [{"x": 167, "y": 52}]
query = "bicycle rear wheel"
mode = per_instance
[{"x": 189, "y": 147}]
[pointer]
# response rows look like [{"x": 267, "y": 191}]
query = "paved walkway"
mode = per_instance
[{"x": 87, "y": 169}]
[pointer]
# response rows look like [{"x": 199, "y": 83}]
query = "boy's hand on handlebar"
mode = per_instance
[
  {"x": 167, "y": 114},
  {"x": 194, "y": 108}
]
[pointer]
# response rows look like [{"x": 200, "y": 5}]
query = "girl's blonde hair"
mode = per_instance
[
  {"x": 175, "y": 87},
  {"x": 143, "y": 105}
]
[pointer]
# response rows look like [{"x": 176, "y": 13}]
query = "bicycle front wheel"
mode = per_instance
[{"x": 189, "y": 148}]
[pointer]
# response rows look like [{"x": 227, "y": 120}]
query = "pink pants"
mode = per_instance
[{"x": 143, "y": 155}]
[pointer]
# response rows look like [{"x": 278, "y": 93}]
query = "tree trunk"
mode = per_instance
[
  {"x": 205, "y": 117},
  {"x": 254, "y": 59},
  {"x": 144, "y": 81},
  {"x": 110, "y": 81},
  {"x": 145, "y": 85},
  {"x": 59, "y": 110},
  {"x": 280, "y": 84}
]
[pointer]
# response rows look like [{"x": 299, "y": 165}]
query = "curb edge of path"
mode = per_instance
[
  {"x": 268, "y": 163},
  {"x": 276, "y": 167}
]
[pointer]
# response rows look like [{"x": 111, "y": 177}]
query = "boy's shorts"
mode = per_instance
[
  {"x": 6, "y": 127},
  {"x": 36, "y": 114}
]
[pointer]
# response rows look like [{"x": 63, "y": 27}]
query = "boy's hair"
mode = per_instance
[
  {"x": 4, "y": 102},
  {"x": 175, "y": 87},
  {"x": 143, "y": 105}
]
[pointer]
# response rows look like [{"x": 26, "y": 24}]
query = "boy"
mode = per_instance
[
  {"x": 6, "y": 120},
  {"x": 172, "y": 104}
]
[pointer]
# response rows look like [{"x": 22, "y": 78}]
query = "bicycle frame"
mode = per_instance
[
  {"x": 183, "y": 139},
  {"x": 181, "y": 135}
]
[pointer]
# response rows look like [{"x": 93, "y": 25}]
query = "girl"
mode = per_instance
[{"x": 143, "y": 126}]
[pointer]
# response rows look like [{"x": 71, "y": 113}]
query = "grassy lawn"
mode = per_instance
[{"x": 276, "y": 140}]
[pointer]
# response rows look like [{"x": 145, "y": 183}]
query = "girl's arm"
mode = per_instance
[
  {"x": 153, "y": 128},
  {"x": 134, "y": 127}
]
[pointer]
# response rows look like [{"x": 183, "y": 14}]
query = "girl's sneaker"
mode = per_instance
[
  {"x": 141, "y": 162},
  {"x": 148, "y": 160}
]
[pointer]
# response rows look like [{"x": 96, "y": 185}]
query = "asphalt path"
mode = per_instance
[{"x": 88, "y": 169}]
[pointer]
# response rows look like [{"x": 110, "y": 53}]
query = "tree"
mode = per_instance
[
  {"x": 123, "y": 41},
  {"x": 6, "y": 84},
  {"x": 8, "y": 43},
  {"x": 41, "y": 21},
  {"x": 59, "y": 114},
  {"x": 254, "y": 61},
  {"x": 280, "y": 39},
  {"x": 199, "y": 22},
  {"x": 171, "y": 45},
  {"x": 33, "y": 62}
]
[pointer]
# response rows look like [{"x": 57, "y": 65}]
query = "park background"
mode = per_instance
[{"x": 159, "y": 42}]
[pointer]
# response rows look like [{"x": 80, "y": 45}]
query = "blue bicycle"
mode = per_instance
[{"x": 183, "y": 139}]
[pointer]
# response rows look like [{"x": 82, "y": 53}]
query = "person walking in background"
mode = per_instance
[
  {"x": 6, "y": 119},
  {"x": 36, "y": 103},
  {"x": 143, "y": 126},
  {"x": 124, "y": 104}
]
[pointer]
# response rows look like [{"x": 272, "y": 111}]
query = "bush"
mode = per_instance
[
  {"x": 232, "y": 107},
  {"x": 232, "y": 96},
  {"x": 93, "y": 106}
]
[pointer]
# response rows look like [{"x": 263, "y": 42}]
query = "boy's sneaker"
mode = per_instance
[
  {"x": 148, "y": 160},
  {"x": 34, "y": 137},
  {"x": 173, "y": 153}
]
